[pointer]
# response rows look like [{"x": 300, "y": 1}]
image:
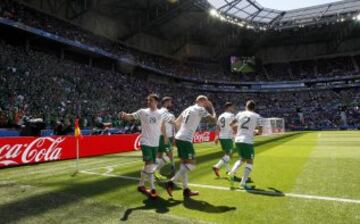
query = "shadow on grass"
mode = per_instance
[
  {"x": 272, "y": 192},
  {"x": 204, "y": 206},
  {"x": 236, "y": 179},
  {"x": 35, "y": 205},
  {"x": 259, "y": 148},
  {"x": 160, "y": 205},
  {"x": 273, "y": 142}
]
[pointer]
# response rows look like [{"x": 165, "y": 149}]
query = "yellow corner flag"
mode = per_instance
[
  {"x": 77, "y": 129},
  {"x": 78, "y": 136}
]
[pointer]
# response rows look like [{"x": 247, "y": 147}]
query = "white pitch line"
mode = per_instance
[
  {"x": 117, "y": 165},
  {"x": 109, "y": 170},
  {"x": 126, "y": 163},
  {"x": 63, "y": 168},
  {"x": 293, "y": 195},
  {"x": 109, "y": 175}
]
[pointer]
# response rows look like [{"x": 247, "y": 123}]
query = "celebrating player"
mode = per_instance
[
  {"x": 152, "y": 125},
  {"x": 247, "y": 122},
  {"x": 225, "y": 133},
  {"x": 189, "y": 121},
  {"x": 163, "y": 159}
]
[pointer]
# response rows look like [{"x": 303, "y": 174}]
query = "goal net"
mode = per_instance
[{"x": 273, "y": 125}]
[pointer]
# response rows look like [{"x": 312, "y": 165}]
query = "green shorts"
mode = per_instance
[
  {"x": 246, "y": 151},
  {"x": 149, "y": 153},
  {"x": 227, "y": 145},
  {"x": 185, "y": 149},
  {"x": 165, "y": 147}
]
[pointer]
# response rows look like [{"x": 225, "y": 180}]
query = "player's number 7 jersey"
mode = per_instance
[{"x": 191, "y": 119}]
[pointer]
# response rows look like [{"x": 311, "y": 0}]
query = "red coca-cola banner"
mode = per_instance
[
  {"x": 28, "y": 150},
  {"x": 206, "y": 136}
]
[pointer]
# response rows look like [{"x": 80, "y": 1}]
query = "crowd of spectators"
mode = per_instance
[
  {"x": 34, "y": 84},
  {"x": 311, "y": 69},
  {"x": 321, "y": 68},
  {"x": 39, "y": 85}
]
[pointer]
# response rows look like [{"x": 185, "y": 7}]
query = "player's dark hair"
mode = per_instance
[
  {"x": 154, "y": 96},
  {"x": 228, "y": 104},
  {"x": 166, "y": 99},
  {"x": 250, "y": 105}
]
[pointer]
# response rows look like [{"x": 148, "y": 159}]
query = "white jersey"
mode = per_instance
[
  {"x": 247, "y": 123},
  {"x": 224, "y": 121},
  {"x": 191, "y": 119},
  {"x": 170, "y": 128},
  {"x": 150, "y": 126}
]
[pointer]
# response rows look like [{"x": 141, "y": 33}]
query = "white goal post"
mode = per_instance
[{"x": 273, "y": 125}]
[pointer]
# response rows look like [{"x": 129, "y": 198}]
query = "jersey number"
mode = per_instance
[
  {"x": 187, "y": 117},
  {"x": 243, "y": 125},
  {"x": 222, "y": 122},
  {"x": 152, "y": 120}
]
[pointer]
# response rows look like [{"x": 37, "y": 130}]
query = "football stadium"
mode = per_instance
[{"x": 180, "y": 111}]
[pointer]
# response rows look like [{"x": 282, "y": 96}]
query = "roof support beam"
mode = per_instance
[
  {"x": 252, "y": 16},
  {"x": 253, "y": 4},
  {"x": 230, "y": 5}
]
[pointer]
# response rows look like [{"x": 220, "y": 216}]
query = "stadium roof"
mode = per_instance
[
  {"x": 251, "y": 11},
  {"x": 246, "y": 9}
]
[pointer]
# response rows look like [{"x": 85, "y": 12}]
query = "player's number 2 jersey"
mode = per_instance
[{"x": 247, "y": 123}]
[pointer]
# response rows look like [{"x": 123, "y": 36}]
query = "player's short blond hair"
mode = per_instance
[{"x": 201, "y": 97}]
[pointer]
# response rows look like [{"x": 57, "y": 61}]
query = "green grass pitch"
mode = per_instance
[{"x": 305, "y": 177}]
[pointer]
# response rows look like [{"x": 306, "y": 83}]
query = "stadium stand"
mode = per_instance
[{"x": 40, "y": 84}]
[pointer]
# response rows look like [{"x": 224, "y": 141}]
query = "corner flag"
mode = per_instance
[
  {"x": 77, "y": 129},
  {"x": 78, "y": 136}
]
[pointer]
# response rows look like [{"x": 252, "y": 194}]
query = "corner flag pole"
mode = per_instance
[
  {"x": 77, "y": 136},
  {"x": 77, "y": 154}
]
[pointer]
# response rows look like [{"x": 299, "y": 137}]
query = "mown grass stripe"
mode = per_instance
[{"x": 293, "y": 195}]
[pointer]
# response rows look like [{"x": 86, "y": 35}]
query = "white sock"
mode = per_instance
[
  {"x": 227, "y": 166},
  {"x": 247, "y": 171},
  {"x": 152, "y": 181},
  {"x": 142, "y": 177},
  {"x": 160, "y": 163},
  {"x": 179, "y": 173},
  {"x": 150, "y": 169},
  {"x": 188, "y": 168},
  {"x": 220, "y": 163},
  {"x": 185, "y": 180},
  {"x": 236, "y": 166}
]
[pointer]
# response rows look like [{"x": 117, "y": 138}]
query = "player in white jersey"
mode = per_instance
[
  {"x": 188, "y": 122},
  {"x": 165, "y": 154},
  {"x": 152, "y": 126},
  {"x": 248, "y": 123},
  {"x": 225, "y": 134}
]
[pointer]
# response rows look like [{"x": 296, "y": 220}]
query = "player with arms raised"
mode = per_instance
[
  {"x": 152, "y": 125},
  {"x": 189, "y": 121},
  {"x": 165, "y": 154},
  {"x": 225, "y": 133},
  {"x": 248, "y": 123}
]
